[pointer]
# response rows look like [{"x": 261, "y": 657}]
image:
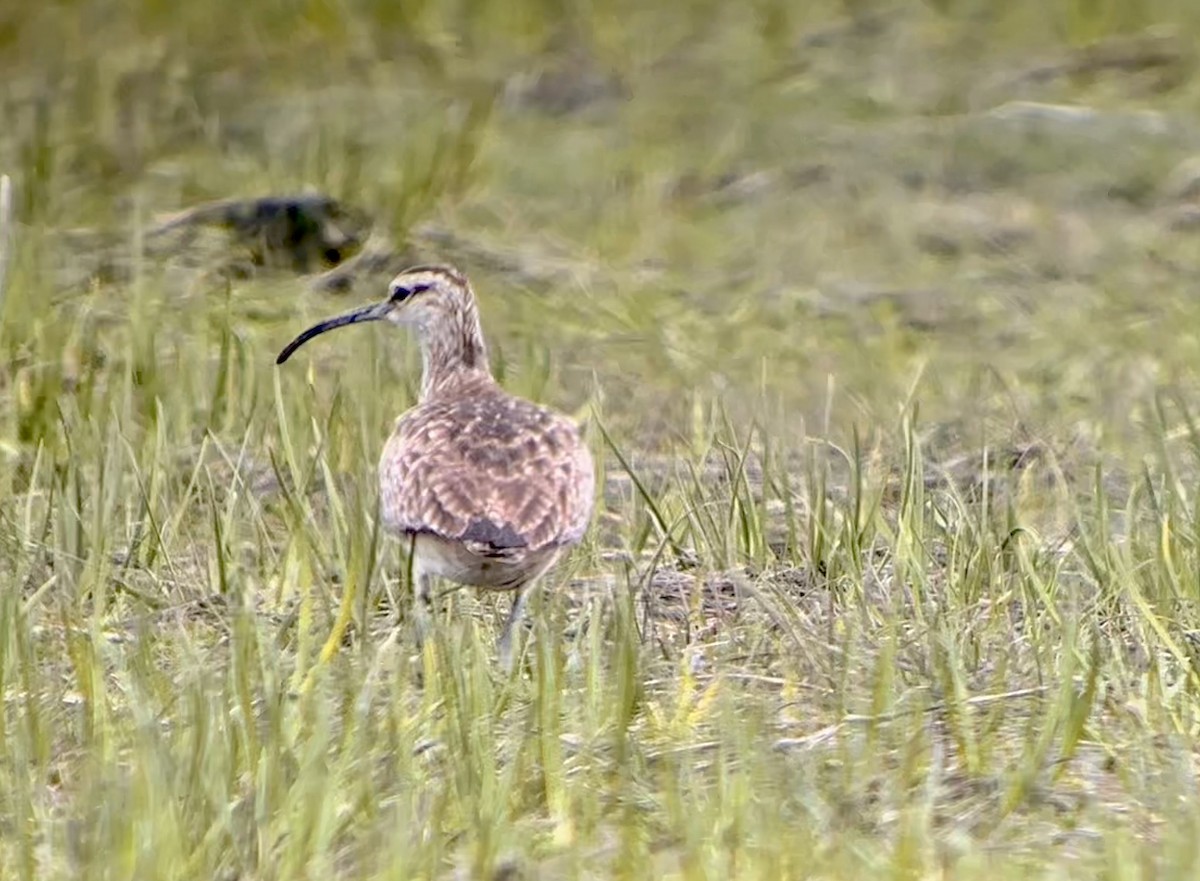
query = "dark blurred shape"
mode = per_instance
[{"x": 301, "y": 233}]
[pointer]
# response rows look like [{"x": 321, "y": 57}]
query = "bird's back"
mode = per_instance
[{"x": 488, "y": 469}]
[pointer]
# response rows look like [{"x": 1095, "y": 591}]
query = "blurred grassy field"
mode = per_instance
[{"x": 889, "y": 359}]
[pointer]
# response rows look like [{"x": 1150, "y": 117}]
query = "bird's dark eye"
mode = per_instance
[{"x": 401, "y": 293}]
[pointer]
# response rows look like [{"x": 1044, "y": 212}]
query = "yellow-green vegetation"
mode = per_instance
[{"x": 888, "y": 355}]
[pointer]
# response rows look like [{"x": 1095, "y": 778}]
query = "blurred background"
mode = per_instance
[{"x": 771, "y": 202}]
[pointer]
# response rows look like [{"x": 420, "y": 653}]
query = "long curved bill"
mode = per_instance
[{"x": 374, "y": 312}]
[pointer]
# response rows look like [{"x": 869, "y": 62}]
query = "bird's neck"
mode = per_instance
[{"x": 453, "y": 351}]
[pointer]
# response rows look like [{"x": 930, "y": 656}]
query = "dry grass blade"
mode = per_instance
[{"x": 7, "y": 232}]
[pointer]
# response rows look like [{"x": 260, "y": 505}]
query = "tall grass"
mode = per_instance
[{"x": 895, "y": 567}]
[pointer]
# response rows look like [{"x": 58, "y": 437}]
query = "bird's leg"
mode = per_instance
[
  {"x": 504, "y": 645},
  {"x": 422, "y": 585},
  {"x": 423, "y": 606}
]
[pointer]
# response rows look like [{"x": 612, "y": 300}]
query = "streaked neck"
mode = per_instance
[{"x": 452, "y": 350}]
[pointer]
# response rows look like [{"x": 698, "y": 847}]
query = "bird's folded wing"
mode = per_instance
[{"x": 507, "y": 490}]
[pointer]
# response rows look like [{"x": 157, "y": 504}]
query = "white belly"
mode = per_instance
[{"x": 456, "y": 562}]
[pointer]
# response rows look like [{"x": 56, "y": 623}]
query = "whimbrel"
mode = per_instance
[{"x": 485, "y": 488}]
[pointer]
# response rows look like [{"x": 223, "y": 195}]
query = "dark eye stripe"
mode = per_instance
[{"x": 400, "y": 293}]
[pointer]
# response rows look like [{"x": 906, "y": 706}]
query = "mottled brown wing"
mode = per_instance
[{"x": 491, "y": 470}]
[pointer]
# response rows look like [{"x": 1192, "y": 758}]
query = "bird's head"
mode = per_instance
[{"x": 423, "y": 296}]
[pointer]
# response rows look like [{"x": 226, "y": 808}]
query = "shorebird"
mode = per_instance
[{"x": 486, "y": 489}]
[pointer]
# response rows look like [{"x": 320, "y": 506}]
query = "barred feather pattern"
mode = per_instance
[{"x": 473, "y": 464}]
